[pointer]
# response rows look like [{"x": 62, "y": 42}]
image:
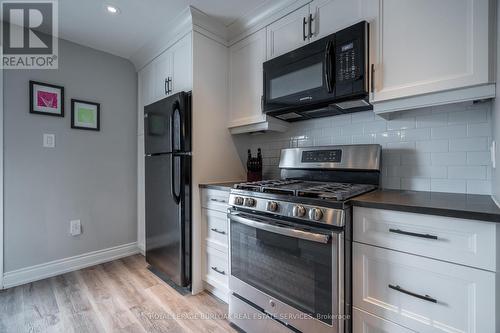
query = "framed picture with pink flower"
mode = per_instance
[{"x": 46, "y": 99}]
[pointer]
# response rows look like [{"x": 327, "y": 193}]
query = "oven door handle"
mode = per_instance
[{"x": 295, "y": 233}]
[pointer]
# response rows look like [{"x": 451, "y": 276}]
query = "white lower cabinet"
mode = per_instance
[
  {"x": 364, "y": 322},
  {"x": 215, "y": 242},
  {"x": 461, "y": 241},
  {"x": 423, "y": 294}
]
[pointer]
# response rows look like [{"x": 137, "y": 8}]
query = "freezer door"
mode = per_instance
[
  {"x": 167, "y": 125},
  {"x": 168, "y": 216}
]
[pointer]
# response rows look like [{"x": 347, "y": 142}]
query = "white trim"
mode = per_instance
[
  {"x": 465, "y": 94},
  {"x": 1, "y": 173},
  {"x": 61, "y": 266},
  {"x": 496, "y": 200}
]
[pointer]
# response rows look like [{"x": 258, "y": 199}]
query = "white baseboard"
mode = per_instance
[{"x": 61, "y": 266}]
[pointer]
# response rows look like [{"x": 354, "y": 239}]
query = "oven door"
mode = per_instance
[{"x": 292, "y": 272}]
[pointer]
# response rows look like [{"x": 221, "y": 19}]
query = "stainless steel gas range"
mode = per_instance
[{"x": 290, "y": 241}]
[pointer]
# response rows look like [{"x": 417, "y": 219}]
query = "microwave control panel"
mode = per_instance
[{"x": 348, "y": 61}]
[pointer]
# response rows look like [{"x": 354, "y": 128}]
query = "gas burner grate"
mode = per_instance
[{"x": 318, "y": 190}]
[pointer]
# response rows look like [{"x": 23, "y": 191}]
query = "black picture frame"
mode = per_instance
[
  {"x": 48, "y": 85},
  {"x": 98, "y": 115}
]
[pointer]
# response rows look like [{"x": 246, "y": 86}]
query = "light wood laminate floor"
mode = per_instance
[{"x": 120, "y": 296}]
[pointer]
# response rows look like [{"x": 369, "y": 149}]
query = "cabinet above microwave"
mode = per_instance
[{"x": 327, "y": 77}]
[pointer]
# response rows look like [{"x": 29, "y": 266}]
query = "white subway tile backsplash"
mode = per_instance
[
  {"x": 456, "y": 158},
  {"x": 375, "y": 127},
  {"x": 467, "y": 172},
  {"x": 415, "y": 158},
  {"x": 450, "y": 132},
  {"x": 468, "y": 116},
  {"x": 432, "y": 120},
  {"x": 366, "y": 116},
  {"x": 483, "y": 129},
  {"x": 352, "y": 129},
  {"x": 469, "y": 144},
  {"x": 416, "y": 184},
  {"x": 441, "y": 148},
  {"x": 479, "y": 158},
  {"x": 416, "y": 134},
  {"x": 341, "y": 120},
  {"x": 479, "y": 186},
  {"x": 448, "y": 185},
  {"x": 433, "y": 146},
  {"x": 401, "y": 123}
]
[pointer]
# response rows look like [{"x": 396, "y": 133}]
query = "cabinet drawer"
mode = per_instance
[
  {"x": 364, "y": 322},
  {"x": 422, "y": 294},
  {"x": 215, "y": 199},
  {"x": 216, "y": 267},
  {"x": 215, "y": 223},
  {"x": 461, "y": 241}
]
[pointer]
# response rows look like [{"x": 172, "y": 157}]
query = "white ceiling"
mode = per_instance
[{"x": 86, "y": 22}]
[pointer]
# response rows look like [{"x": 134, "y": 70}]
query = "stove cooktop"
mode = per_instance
[{"x": 308, "y": 189}]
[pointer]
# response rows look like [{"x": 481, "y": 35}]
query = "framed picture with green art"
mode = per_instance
[{"x": 85, "y": 115}]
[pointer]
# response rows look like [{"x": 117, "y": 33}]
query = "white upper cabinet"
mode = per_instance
[
  {"x": 146, "y": 76},
  {"x": 429, "y": 46},
  {"x": 182, "y": 65},
  {"x": 169, "y": 73},
  {"x": 329, "y": 16},
  {"x": 288, "y": 33},
  {"x": 245, "y": 81},
  {"x": 163, "y": 74}
]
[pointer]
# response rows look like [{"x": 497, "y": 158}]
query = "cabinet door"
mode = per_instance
[
  {"x": 423, "y": 294},
  {"x": 288, "y": 33},
  {"x": 147, "y": 78},
  {"x": 162, "y": 71},
  {"x": 430, "y": 46},
  {"x": 182, "y": 64},
  {"x": 330, "y": 16},
  {"x": 245, "y": 83}
]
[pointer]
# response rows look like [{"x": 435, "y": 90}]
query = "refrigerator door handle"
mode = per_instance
[
  {"x": 177, "y": 197},
  {"x": 173, "y": 128}
]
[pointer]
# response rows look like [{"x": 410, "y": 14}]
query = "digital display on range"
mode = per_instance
[{"x": 322, "y": 156}]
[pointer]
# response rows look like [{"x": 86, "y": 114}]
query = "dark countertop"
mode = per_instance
[
  {"x": 221, "y": 186},
  {"x": 466, "y": 206}
]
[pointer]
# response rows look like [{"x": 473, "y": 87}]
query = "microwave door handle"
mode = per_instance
[
  {"x": 328, "y": 66},
  {"x": 295, "y": 233}
]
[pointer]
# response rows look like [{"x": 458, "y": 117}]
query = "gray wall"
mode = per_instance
[
  {"x": 89, "y": 175},
  {"x": 496, "y": 121},
  {"x": 440, "y": 149}
]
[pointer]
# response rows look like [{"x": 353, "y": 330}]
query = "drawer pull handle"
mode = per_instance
[
  {"x": 222, "y": 232},
  {"x": 414, "y": 234},
  {"x": 217, "y": 200},
  {"x": 424, "y": 297},
  {"x": 218, "y": 270}
]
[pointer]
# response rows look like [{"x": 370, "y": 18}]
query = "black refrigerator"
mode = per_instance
[{"x": 167, "y": 136}]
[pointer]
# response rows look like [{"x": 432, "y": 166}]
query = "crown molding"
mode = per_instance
[
  {"x": 193, "y": 19},
  {"x": 262, "y": 16}
]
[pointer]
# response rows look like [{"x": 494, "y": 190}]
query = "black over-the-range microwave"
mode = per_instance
[{"x": 324, "y": 78}]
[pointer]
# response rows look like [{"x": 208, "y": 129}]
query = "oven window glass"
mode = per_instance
[
  {"x": 295, "y": 271},
  {"x": 304, "y": 79}
]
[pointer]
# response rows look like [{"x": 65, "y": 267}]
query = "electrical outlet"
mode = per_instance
[
  {"x": 75, "y": 227},
  {"x": 49, "y": 140}
]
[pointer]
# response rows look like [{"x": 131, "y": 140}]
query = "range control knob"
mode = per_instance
[
  {"x": 299, "y": 211},
  {"x": 249, "y": 202},
  {"x": 316, "y": 214},
  {"x": 272, "y": 206},
  {"x": 238, "y": 201}
]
